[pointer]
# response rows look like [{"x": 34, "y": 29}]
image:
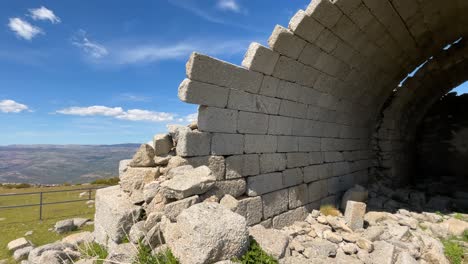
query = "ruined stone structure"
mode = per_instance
[{"x": 320, "y": 109}]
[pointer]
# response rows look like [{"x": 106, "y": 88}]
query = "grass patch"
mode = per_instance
[
  {"x": 453, "y": 251},
  {"x": 458, "y": 216},
  {"x": 108, "y": 181},
  {"x": 94, "y": 250},
  {"x": 329, "y": 209},
  {"x": 145, "y": 256},
  {"x": 17, "y": 221},
  {"x": 256, "y": 255}
]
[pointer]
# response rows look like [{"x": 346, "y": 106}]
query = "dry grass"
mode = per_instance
[{"x": 329, "y": 209}]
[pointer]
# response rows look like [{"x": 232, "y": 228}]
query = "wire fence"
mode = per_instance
[{"x": 87, "y": 193}]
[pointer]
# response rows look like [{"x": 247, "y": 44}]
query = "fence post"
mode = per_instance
[
  {"x": 89, "y": 194},
  {"x": 40, "y": 207}
]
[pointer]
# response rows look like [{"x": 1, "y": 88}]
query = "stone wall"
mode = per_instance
[{"x": 293, "y": 125}]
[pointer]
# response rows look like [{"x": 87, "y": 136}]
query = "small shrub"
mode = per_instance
[
  {"x": 256, "y": 255},
  {"x": 453, "y": 251},
  {"x": 458, "y": 216},
  {"x": 439, "y": 213},
  {"x": 108, "y": 181},
  {"x": 94, "y": 250},
  {"x": 145, "y": 256},
  {"x": 329, "y": 209},
  {"x": 465, "y": 236},
  {"x": 16, "y": 186}
]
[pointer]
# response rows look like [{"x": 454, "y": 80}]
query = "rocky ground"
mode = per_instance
[{"x": 167, "y": 202}]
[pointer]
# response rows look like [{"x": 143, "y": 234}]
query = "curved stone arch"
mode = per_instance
[
  {"x": 396, "y": 130},
  {"x": 297, "y": 119}
]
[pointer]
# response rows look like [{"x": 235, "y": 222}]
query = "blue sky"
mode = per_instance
[{"x": 93, "y": 72}]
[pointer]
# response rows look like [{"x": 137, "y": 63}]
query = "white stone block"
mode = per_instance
[
  {"x": 275, "y": 203},
  {"x": 288, "y": 218},
  {"x": 315, "y": 190},
  {"x": 297, "y": 159},
  {"x": 264, "y": 183},
  {"x": 241, "y": 100},
  {"x": 283, "y": 41},
  {"x": 309, "y": 55},
  {"x": 308, "y": 76},
  {"x": 203, "y": 93},
  {"x": 267, "y": 105},
  {"x": 287, "y": 69},
  {"x": 289, "y": 90},
  {"x": 252, "y": 123},
  {"x": 287, "y": 144},
  {"x": 227, "y": 144},
  {"x": 298, "y": 196},
  {"x": 292, "y": 177},
  {"x": 261, "y": 59},
  {"x": 293, "y": 109},
  {"x": 213, "y": 119},
  {"x": 280, "y": 125},
  {"x": 209, "y": 70},
  {"x": 260, "y": 144},
  {"x": 193, "y": 143},
  {"x": 269, "y": 86},
  {"x": 215, "y": 163},
  {"x": 324, "y": 11},
  {"x": 249, "y": 207},
  {"x": 272, "y": 162},
  {"x": 305, "y": 26},
  {"x": 239, "y": 166}
]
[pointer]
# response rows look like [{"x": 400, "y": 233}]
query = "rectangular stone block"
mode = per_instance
[
  {"x": 193, "y": 143},
  {"x": 215, "y": 163},
  {"x": 305, "y": 26},
  {"x": 340, "y": 168},
  {"x": 203, "y": 93},
  {"x": 267, "y": 105},
  {"x": 260, "y": 144},
  {"x": 264, "y": 183},
  {"x": 213, "y": 119},
  {"x": 239, "y": 166},
  {"x": 333, "y": 185},
  {"x": 288, "y": 218},
  {"x": 269, "y": 86},
  {"x": 327, "y": 41},
  {"x": 289, "y": 90},
  {"x": 283, "y": 41},
  {"x": 309, "y": 144},
  {"x": 235, "y": 188},
  {"x": 280, "y": 125},
  {"x": 252, "y": 123},
  {"x": 298, "y": 196},
  {"x": 309, "y": 55},
  {"x": 333, "y": 156},
  {"x": 315, "y": 158},
  {"x": 287, "y": 144},
  {"x": 249, "y": 207},
  {"x": 227, "y": 144},
  {"x": 272, "y": 162},
  {"x": 292, "y": 177},
  {"x": 287, "y": 69},
  {"x": 261, "y": 59},
  {"x": 209, "y": 70},
  {"x": 316, "y": 172},
  {"x": 293, "y": 109},
  {"x": 354, "y": 214},
  {"x": 275, "y": 203},
  {"x": 315, "y": 190},
  {"x": 325, "y": 12},
  {"x": 241, "y": 100},
  {"x": 297, "y": 159},
  {"x": 308, "y": 77}
]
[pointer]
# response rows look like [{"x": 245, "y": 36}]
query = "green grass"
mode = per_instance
[
  {"x": 107, "y": 181},
  {"x": 93, "y": 250},
  {"x": 453, "y": 251},
  {"x": 145, "y": 256},
  {"x": 256, "y": 255},
  {"x": 16, "y": 222}
]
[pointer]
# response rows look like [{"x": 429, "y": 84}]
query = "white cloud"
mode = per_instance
[
  {"x": 10, "y": 106},
  {"x": 119, "y": 113},
  {"x": 43, "y": 13},
  {"x": 192, "y": 117},
  {"x": 93, "y": 49},
  {"x": 133, "y": 97},
  {"x": 181, "y": 50},
  {"x": 23, "y": 28},
  {"x": 230, "y": 5}
]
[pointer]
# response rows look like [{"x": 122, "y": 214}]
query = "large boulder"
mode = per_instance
[
  {"x": 134, "y": 180},
  {"x": 144, "y": 157},
  {"x": 188, "y": 183},
  {"x": 273, "y": 241},
  {"x": 115, "y": 215},
  {"x": 206, "y": 233},
  {"x": 18, "y": 243}
]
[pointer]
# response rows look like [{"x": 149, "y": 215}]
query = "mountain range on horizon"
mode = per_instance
[{"x": 58, "y": 164}]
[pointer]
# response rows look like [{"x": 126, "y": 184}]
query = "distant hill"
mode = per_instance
[{"x": 55, "y": 164}]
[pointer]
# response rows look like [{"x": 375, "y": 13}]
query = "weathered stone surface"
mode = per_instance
[
  {"x": 123, "y": 165},
  {"x": 289, "y": 217},
  {"x": 121, "y": 253},
  {"x": 191, "y": 182},
  {"x": 64, "y": 226},
  {"x": 238, "y": 166},
  {"x": 454, "y": 226},
  {"x": 320, "y": 248},
  {"x": 261, "y": 59},
  {"x": 354, "y": 214},
  {"x": 197, "y": 239},
  {"x": 274, "y": 242},
  {"x": 172, "y": 210},
  {"x": 144, "y": 157},
  {"x": 357, "y": 194},
  {"x": 203, "y": 93},
  {"x": 193, "y": 143},
  {"x": 248, "y": 207},
  {"x": 134, "y": 179},
  {"x": 52, "y": 253},
  {"x": 115, "y": 214},
  {"x": 215, "y": 163},
  {"x": 383, "y": 253},
  {"x": 162, "y": 160},
  {"x": 79, "y": 238},
  {"x": 162, "y": 144},
  {"x": 274, "y": 203},
  {"x": 235, "y": 187},
  {"x": 22, "y": 253},
  {"x": 150, "y": 190},
  {"x": 137, "y": 232},
  {"x": 365, "y": 244},
  {"x": 18, "y": 243}
]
